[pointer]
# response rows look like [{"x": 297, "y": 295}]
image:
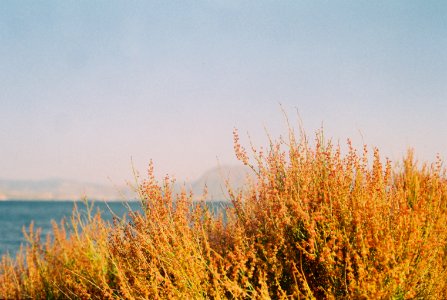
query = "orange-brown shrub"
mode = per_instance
[{"x": 315, "y": 224}]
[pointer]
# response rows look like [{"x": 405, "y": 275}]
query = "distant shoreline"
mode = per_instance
[{"x": 68, "y": 200}]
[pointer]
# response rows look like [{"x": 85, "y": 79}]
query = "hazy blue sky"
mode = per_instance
[{"x": 86, "y": 85}]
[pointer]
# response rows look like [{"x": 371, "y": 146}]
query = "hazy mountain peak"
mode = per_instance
[{"x": 216, "y": 180}]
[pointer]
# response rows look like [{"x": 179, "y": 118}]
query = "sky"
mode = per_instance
[{"x": 89, "y": 89}]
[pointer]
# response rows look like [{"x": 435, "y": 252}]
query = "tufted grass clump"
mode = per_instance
[{"x": 317, "y": 223}]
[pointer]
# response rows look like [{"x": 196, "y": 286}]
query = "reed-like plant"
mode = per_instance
[{"x": 317, "y": 223}]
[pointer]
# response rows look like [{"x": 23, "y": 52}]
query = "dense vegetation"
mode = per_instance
[{"x": 318, "y": 223}]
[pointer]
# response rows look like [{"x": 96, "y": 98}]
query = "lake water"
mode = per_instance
[{"x": 16, "y": 214}]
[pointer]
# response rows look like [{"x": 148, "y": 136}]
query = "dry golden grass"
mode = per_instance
[{"x": 316, "y": 224}]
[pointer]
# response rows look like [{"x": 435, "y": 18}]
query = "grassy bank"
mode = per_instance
[{"x": 316, "y": 224}]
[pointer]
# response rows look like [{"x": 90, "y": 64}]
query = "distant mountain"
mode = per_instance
[
  {"x": 216, "y": 181},
  {"x": 56, "y": 189}
]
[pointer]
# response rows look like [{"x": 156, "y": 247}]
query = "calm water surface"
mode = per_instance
[{"x": 14, "y": 215}]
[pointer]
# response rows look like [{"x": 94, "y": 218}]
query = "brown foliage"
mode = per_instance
[{"x": 315, "y": 225}]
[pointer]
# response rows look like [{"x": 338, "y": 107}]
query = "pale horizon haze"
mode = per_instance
[{"x": 88, "y": 86}]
